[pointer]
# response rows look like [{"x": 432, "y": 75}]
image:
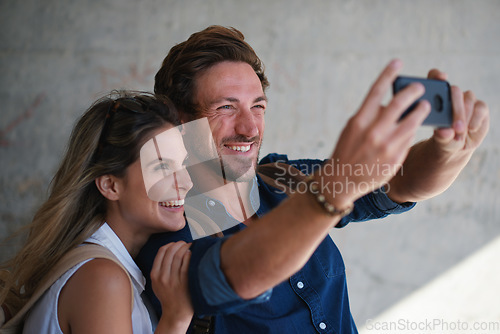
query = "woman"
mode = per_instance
[{"x": 98, "y": 195}]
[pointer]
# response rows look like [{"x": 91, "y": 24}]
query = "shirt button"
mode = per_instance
[
  {"x": 322, "y": 325},
  {"x": 300, "y": 285},
  {"x": 211, "y": 203}
]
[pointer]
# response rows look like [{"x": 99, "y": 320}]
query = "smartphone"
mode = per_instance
[{"x": 437, "y": 92}]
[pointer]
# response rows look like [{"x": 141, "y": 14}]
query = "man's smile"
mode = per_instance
[{"x": 242, "y": 147}]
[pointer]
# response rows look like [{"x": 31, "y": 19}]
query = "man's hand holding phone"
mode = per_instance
[
  {"x": 432, "y": 165},
  {"x": 470, "y": 120},
  {"x": 437, "y": 93},
  {"x": 378, "y": 135}
]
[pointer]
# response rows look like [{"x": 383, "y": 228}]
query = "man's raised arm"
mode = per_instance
[{"x": 276, "y": 246}]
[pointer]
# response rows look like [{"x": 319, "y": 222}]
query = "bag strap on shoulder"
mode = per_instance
[{"x": 69, "y": 260}]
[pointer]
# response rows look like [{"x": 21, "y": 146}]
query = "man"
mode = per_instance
[{"x": 282, "y": 273}]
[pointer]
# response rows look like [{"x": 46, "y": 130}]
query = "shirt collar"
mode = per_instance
[
  {"x": 206, "y": 215},
  {"x": 204, "y": 202}
]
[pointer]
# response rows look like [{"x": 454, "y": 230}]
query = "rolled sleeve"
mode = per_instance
[
  {"x": 374, "y": 205},
  {"x": 210, "y": 290},
  {"x": 384, "y": 203}
]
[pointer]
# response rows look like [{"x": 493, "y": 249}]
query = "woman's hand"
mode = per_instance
[{"x": 169, "y": 278}]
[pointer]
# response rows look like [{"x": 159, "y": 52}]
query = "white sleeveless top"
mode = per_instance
[{"x": 43, "y": 316}]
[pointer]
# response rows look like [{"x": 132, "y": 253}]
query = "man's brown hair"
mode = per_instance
[{"x": 200, "y": 51}]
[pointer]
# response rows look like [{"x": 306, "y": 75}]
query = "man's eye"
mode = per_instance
[
  {"x": 225, "y": 107},
  {"x": 259, "y": 109}
]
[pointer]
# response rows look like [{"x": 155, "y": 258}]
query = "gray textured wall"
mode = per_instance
[{"x": 57, "y": 56}]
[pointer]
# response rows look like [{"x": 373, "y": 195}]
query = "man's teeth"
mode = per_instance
[
  {"x": 171, "y": 204},
  {"x": 245, "y": 148}
]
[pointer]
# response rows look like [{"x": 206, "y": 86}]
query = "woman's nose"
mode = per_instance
[{"x": 183, "y": 180}]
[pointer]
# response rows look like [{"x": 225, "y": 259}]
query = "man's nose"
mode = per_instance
[{"x": 246, "y": 123}]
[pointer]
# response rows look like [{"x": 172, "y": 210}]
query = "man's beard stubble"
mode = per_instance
[{"x": 237, "y": 168}]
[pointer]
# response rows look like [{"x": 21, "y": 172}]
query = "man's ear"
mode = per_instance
[{"x": 107, "y": 185}]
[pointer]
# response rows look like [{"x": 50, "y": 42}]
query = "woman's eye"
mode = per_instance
[{"x": 161, "y": 166}]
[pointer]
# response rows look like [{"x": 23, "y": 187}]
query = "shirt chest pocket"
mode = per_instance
[{"x": 328, "y": 257}]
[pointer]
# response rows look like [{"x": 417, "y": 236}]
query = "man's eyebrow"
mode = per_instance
[
  {"x": 224, "y": 99},
  {"x": 236, "y": 100}
]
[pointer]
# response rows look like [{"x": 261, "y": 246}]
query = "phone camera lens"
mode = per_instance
[{"x": 438, "y": 103}]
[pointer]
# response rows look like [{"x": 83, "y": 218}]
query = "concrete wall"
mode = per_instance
[{"x": 57, "y": 56}]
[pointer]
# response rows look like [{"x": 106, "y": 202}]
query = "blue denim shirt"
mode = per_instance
[{"x": 314, "y": 300}]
